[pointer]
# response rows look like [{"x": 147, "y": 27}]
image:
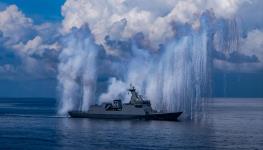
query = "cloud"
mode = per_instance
[
  {"x": 226, "y": 66},
  {"x": 115, "y": 90},
  {"x": 163, "y": 47},
  {"x": 253, "y": 44},
  {"x": 154, "y": 44},
  {"x": 251, "y": 15},
  {"x": 152, "y": 18},
  {"x": 7, "y": 68},
  {"x": 33, "y": 48},
  {"x": 36, "y": 46},
  {"x": 248, "y": 58},
  {"x": 14, "y": 25}
]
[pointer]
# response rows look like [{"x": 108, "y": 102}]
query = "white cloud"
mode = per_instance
[
  {"x": 28, "y": 42},
  {"x": 249, "y": 46},
  {"x": 115, "y": 90},
  {"x": 251, "y": 15},
  {"x": 36, "y": 46},
  {"x": 223, "y": 8},
  {"x": 253, "y": 44},
  {"x": 153, "y": 18},
  {"x": 237, "y": 67},
  {"x": 19, "y": 31},
  {"x": 14, "y": 24}
]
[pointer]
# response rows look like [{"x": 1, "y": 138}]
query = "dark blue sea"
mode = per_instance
[{"x": 33, "y": 124}]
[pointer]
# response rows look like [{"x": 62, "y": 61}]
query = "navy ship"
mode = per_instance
[{"x": 137, "y": 108}]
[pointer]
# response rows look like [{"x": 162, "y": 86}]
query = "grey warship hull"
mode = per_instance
[
  {"x": 155, "y": 116},
  {"x": 137, "y": 108}
]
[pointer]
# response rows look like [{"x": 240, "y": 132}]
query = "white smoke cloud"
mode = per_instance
[
  {"x": 174, "y": 80},
  {"x": 138, "y": 69},
  {"x": 116, "y": 89},
  {"x": 77, "y": 71},
  {"x": 153, "y": 18}
]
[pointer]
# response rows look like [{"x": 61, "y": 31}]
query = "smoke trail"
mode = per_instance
[{"x": 77, "y": 71}]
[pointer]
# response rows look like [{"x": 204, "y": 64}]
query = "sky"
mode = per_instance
[
  {"x": 37, "y": 38},
  {"x": 40, "y": 11}
]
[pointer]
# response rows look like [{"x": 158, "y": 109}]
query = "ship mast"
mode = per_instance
[{"x": 135, "y": 97}]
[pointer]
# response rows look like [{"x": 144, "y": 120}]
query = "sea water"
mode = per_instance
[{"x": 228, "y": 123}]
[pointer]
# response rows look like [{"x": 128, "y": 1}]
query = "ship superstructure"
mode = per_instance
[{"x": 137, "y": 108}]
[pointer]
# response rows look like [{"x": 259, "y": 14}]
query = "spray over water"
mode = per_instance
[
  {"x": 77, "y": 71},
  {"x": 176, "y": 77}
]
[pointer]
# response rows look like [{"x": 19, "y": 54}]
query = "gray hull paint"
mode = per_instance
[
  {"x": 79, "y": 114},
  {"x": 156, "y": 116},
  {"x": 137, "y": 108}
]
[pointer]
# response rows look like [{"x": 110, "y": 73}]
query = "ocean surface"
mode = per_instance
[{"x": 33, "y": 124}]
